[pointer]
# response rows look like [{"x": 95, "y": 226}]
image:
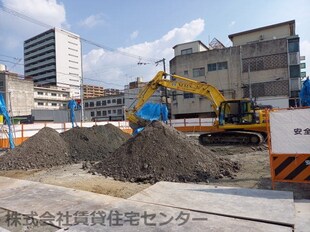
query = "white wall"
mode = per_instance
[{"x": 69, "y": 61}]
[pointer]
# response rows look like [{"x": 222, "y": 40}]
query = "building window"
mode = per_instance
[
  {"x": 104, "y": 103},
  {"x": 92, "y": 113},
  {"x": 104, "y": 113},
  {"x": 91, "y": 104},
  {"x": 198, "y": 72},
  {"x": 54, "y": 104},
  {"x": 1, "y": 83},
  {"x": 40, "y": 93},
  {"x": 113, "y": 100},
  {"x": 65, "y": 95},
  {"x": 98, "y": 103},
  {"x": 119, "y": 112},
  {"x": 211, "y": 67},
  {"x": 40, "y": 104},
  {"x": 114, "y": 111},
  {"x": 86, "y": 104},
  {"x": 185, "y": 73},
  {"x": 109, "y": 111},
  {"x": 108, "y": 101},
  {"x": 188, "y": 95},
  {"x": 294, "y": 71},
  {"x": 54, "y": 94},
  {"x": 64, "y": 105},
  {"x": 221, "y": 65},
  {"x": 119, "y": 101},
  {"x": 186, "y": 51},
  {"x": 293, "y": 45},
  {"x": 98, "y": 113}
]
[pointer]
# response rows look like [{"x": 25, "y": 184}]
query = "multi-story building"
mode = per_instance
[
  {"x": 106, "y": 108},
  {"x": 262, "y": 64},
  {"x": 51, "y": 97},
  {"x": 110, "y": 91},
  {"x": 91, "y": 91},
  {"x": 54, "y": 58},
  {"x": 17, "y": 93}
]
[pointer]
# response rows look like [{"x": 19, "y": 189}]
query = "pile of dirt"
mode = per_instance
[
  {"x": 43, "y": 150},
  {"x": 159, "y": 153},
  {"x": 94, "y": 143}
]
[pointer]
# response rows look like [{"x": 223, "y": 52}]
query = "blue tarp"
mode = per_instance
[
  {"x": 151, "y": 112},
  {"x": 305, "y": 93},
  {"x": 5, "y": 113}
]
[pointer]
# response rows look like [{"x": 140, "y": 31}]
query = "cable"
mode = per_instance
[{"x": 32, "y": 20}]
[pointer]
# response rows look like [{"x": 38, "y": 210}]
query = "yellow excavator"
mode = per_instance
[{"x": 239, "y": 121}]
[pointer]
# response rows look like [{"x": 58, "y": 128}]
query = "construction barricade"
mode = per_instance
[{"x": 289, "y": 145}]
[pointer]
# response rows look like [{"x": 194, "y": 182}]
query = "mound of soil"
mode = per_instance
[
  {"x": 43, "y": 150},
  {"x": 160, "y": 152},
  {"x": 94, "y": 143}
]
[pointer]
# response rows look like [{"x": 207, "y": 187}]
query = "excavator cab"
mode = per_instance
[{"x": 237, "y": 112}]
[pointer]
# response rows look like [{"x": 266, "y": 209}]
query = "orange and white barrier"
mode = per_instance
[
  {"x": 289, "y": 145},
  {"x": 23, "y": 131}
]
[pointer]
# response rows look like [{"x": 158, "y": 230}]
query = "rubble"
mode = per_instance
[{"x": 161, "y": 153}]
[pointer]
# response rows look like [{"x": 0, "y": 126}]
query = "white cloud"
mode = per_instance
[
  {"x": 92, "y": 21},
  {"x": 113, "y": 67},
  {"x": 134, "y": 34},
  {"x": 305, "y": 51},
  {"x": 47, "y": 11}
]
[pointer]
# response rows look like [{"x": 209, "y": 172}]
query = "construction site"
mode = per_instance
[
  {"x": 220, "y": 144},
  {"x": 100, "y": 178}
]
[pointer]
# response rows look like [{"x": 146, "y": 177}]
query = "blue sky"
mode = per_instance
[{"x": 142, "y": 28}]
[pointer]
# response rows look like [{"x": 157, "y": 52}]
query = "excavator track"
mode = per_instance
[{"x": 231, "y": 137}]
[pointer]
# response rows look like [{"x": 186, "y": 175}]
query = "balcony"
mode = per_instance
[
  {"x": 50, "y": 61},
  {"x": 40, "y": 46},
  {"x": 40, "y": 38},
  {"x": 38, "y": 58},
  {"x": 47, "y": 74}
]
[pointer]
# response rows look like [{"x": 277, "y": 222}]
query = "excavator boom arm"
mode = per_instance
[{"x": 182, "y": 84}]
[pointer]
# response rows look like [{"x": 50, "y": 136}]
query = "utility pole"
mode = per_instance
[
  {"x": 163, "y": 60},
  {"x": 165, "y": 76},
  {"x": 82, "y": 89}
]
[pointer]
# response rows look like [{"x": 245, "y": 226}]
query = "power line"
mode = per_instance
[{"x": 34, "y": 21}]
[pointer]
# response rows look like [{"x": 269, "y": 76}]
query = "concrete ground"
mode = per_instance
[{"x": 164, "y": 206}]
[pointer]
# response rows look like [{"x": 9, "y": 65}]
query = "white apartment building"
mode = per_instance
[
  {"x": 54, "y": 58},
  {"x": 51, "y": 98}
]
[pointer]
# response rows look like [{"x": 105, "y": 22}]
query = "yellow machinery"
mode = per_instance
[{"x": 238, "y": 121}]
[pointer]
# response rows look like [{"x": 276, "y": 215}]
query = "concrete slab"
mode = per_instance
[
  {"x": 212, "y": 224},
  {"x": 24, "y": 196},
  {"x": 92, "y": 209},
  {"x": 261, "y": 205},
  {"x": 302, "y": 220}
]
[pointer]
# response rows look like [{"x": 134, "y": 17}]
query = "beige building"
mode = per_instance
[
  {"x": 262, "y": 62},
  {"x": 91, "y": 91},
  {"x": 51, "y": 97},
  {"x": 17, "y": 93}
]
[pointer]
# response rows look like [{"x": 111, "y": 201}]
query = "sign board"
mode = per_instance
[
  {"x": 289, "y": 145},
  {"x": 290, "y": 131}
]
